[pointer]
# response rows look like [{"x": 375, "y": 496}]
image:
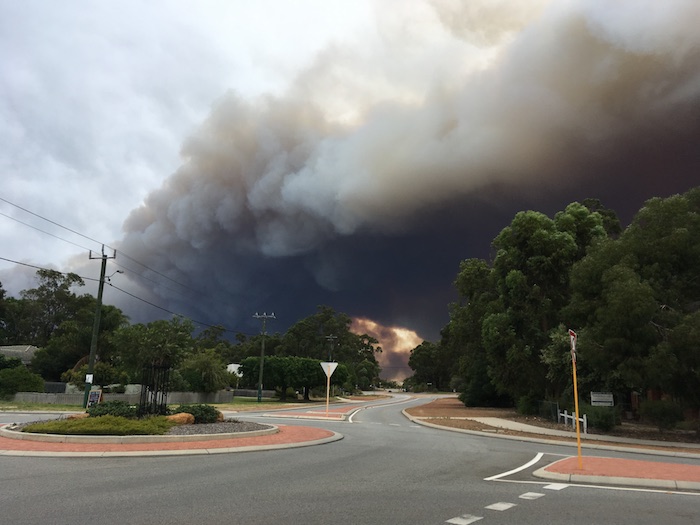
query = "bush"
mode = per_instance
[
  {"x": 201, "y": 413},
  {"x": 103, "y": 425},
  {"x": 114, "y": 408},
  {"x": 527, "y": 405},
  {"x": 602, "y": 418},
  {"x": 664, "y": 414},
  {"x": 19, "y": 379}
]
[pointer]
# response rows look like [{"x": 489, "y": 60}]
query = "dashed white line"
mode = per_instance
[
  {"x": 531, "y": 495},
  {"x": 464, "y": 519},
  {"x": 556, "y": 486},
  {"x": 500, "y": 506}
]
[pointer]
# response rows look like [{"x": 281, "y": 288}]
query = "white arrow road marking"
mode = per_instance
[{"x": 522, "y": 467}]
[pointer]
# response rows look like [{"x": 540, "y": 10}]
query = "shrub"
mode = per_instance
[
  {"x": 664, "y": 414},
  {"x": 102, "y": 425},
  {"x": 19, "y": 379},
  {"x": 113, "y": 408},
  {"x": 201, "y": 413},
  {"x": 602, "y": 418},
  {"x": 527, "y": 405}
]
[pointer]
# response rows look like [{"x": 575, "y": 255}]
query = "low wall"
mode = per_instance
[{"x": 223, "y": 396}]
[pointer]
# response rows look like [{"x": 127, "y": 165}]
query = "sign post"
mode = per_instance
[
  {"x": 572, "y": 337},
  {"x": 328, "y": 368}
]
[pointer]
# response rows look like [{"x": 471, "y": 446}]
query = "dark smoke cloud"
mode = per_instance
[{"x": 381, "y": 167}]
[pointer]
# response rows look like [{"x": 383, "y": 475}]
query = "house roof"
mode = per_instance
[{"x": 23, "y": 352}]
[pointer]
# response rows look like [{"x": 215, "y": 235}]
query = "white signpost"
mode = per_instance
[{"x": 328, "y": 368}]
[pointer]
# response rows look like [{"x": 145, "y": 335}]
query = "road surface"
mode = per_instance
[{"x": 387, "y": 470}]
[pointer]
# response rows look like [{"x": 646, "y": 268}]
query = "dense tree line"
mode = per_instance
[
  {"x": 632, "y": 296},
  {"x": 59, "y": 323}
]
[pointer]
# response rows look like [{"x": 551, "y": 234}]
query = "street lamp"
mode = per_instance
[{"x": 109, "y": 278}]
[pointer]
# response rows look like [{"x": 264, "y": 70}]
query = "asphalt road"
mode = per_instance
[{"x": 387, "y": 470}]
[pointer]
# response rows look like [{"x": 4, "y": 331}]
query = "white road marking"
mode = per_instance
[
  {"x": 531, "y": 495},
  {"x": 394, "y": 425},
  {"x": 464, "y": 519},
  {"x": 556, "y": 486},
  {"x": 522, "y": 467},
  {"x": 500, "y": 506}
]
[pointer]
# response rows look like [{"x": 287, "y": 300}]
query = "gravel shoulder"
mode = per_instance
[{"x": 451, "y": 413}]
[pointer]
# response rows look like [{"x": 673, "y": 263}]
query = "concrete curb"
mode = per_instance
[
  {"x": 667, "y": 484},
  {"x": 341, "y": 417},
  {"x": 545, "y": 441},
  {"x": 188, "y": 452},
  {"x": 111, "y": 440}
]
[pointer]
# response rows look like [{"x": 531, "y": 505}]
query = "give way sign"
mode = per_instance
[{"x": 329, "y": 368}]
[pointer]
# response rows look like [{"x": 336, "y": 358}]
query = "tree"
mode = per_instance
[
  {"x": 48, "y": 305},
  {"x": 477, "y": 298},
  {"x": 104, "y": 374},
  {"x": 423, "y": 361},
  {"x": 69, "y": 346},
  {"x": 162, "y": 343},
  {"x": 283, "y": 372},
  {"x": 205, "y": 371},
  {"x": 635, "y": 298}
]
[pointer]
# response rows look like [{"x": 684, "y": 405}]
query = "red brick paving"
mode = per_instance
[
  {"x": 287, "y": 434},
  {"x": 626, "y": 468}
]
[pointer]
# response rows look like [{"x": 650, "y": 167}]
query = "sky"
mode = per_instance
[{"x": 273, "y": 156}]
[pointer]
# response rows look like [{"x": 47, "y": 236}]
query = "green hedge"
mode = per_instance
[
  {"x": 103, "y": 425},
  {"x": 602, "y": 418},
  {"x": 113, "y": 408},
  {"x": 19, "y": 379},
  {"x": 664, "y": 414},
  {"x": 201, "y": 413}
]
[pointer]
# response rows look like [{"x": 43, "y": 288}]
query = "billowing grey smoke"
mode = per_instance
[{"x": 386, "y": 163}]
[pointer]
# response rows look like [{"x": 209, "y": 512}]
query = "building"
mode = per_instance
[{"x": 22, "y": 352}]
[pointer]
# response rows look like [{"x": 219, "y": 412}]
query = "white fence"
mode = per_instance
[{"x": 566, "y": 417}]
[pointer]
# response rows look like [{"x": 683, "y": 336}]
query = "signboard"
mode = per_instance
[
  {"x": 329, "y": 368},
  {"x": 94, "y": 397},
  {"x": 602, "y": 399}
]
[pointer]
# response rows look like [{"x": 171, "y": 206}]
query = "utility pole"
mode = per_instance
[
  {"x": 331, "y": 338},
  {"x": 96, "y": 323},
  {"x": 264, "y": 318}
]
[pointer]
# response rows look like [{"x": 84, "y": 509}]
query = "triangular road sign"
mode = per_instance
[{"x": 329, "y": 368}]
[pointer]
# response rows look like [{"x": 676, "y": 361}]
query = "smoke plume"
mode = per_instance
[{"x": 389, "y": 160}]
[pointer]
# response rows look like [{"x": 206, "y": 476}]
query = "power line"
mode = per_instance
[
  {"x": 134, "y": 296},
  {"x": 88, "y": 238},
  {"x": 47, "y": 269},
  {"x": 121, "y": 252},
  {"x": 43, "y": 231},
  {"x": 49, "y": 220}
]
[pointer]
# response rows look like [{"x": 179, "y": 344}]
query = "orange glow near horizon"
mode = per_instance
[{"x": 396, "y": 343}]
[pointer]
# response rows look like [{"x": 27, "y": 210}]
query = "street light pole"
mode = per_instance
[
  {"x": 331, "y": 339},
  {"x": 96, "y": 324},
  {"x": 264, "y": 318}
]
